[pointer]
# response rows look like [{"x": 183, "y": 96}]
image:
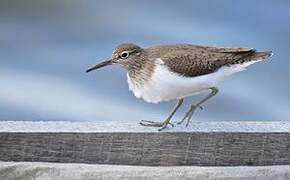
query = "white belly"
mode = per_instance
[{"x": 166, "y": 85}]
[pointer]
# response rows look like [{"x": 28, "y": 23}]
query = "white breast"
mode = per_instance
[{"x": 166, "y": 85}]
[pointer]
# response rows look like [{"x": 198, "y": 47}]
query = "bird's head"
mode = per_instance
[{"x": 124, "y": 54}]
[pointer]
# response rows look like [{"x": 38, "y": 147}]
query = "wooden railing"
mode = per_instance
[{"x": 213, "y": 148}]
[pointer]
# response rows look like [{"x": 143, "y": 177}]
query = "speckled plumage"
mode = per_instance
[{"x": 191, "y": 60}]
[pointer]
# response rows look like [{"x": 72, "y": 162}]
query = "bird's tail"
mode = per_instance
[
  {"x": 260, "y": 55},
  {"x": 253, "y": 56}
]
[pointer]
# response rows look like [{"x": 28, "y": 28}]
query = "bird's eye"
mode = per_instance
[{"x": 124, "y": 54}]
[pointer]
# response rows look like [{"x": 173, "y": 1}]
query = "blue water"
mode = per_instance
[{"x": 46, "y": 46}]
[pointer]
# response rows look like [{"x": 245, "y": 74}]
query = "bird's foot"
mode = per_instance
[
  {"x": 189, "y": 114},
  {"x": 162, "y": 125}
]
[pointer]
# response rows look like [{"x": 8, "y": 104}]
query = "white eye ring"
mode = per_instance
[{"x": 124, "y": 54}]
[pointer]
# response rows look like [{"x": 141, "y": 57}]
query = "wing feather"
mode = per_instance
[{"x": 204, "y": 60}]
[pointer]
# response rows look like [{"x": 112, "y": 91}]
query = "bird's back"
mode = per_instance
[{"x": 194, "y": 60}]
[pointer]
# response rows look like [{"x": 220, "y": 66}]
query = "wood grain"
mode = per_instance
[{"x": 152, "y": 149}]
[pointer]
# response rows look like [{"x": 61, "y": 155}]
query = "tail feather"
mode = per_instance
[{"x": 260, "y": 55}]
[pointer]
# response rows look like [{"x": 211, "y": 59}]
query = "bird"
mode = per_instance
[{"x": 176, "y": 71}]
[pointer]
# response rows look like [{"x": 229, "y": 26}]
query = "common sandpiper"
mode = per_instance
[{"x": 173, "y": 72}]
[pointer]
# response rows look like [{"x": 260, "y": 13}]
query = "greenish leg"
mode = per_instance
[
  {"x": 163, "y": 124},
  {"x": 193, "y": 107}
]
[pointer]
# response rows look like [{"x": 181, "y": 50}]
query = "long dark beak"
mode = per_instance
[{"x": 102, "y": 64}]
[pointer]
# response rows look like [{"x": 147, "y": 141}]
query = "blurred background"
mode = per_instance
[{"x": 46, "y": 46}]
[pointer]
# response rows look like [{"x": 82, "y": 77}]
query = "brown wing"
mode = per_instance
[{"x": 201, "y": 60}]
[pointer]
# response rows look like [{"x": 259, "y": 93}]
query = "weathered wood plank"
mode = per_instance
[
  {"x": 153, "y": 149},
  {"x": 74, "y": 171}
]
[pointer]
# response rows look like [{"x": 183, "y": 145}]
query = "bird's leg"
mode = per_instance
[
  {"x": 193, "y": 107},
  {"x": 164, "y": 123}
]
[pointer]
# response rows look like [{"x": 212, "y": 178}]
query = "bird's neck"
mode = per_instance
[{"x": 140, "y": 70}]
